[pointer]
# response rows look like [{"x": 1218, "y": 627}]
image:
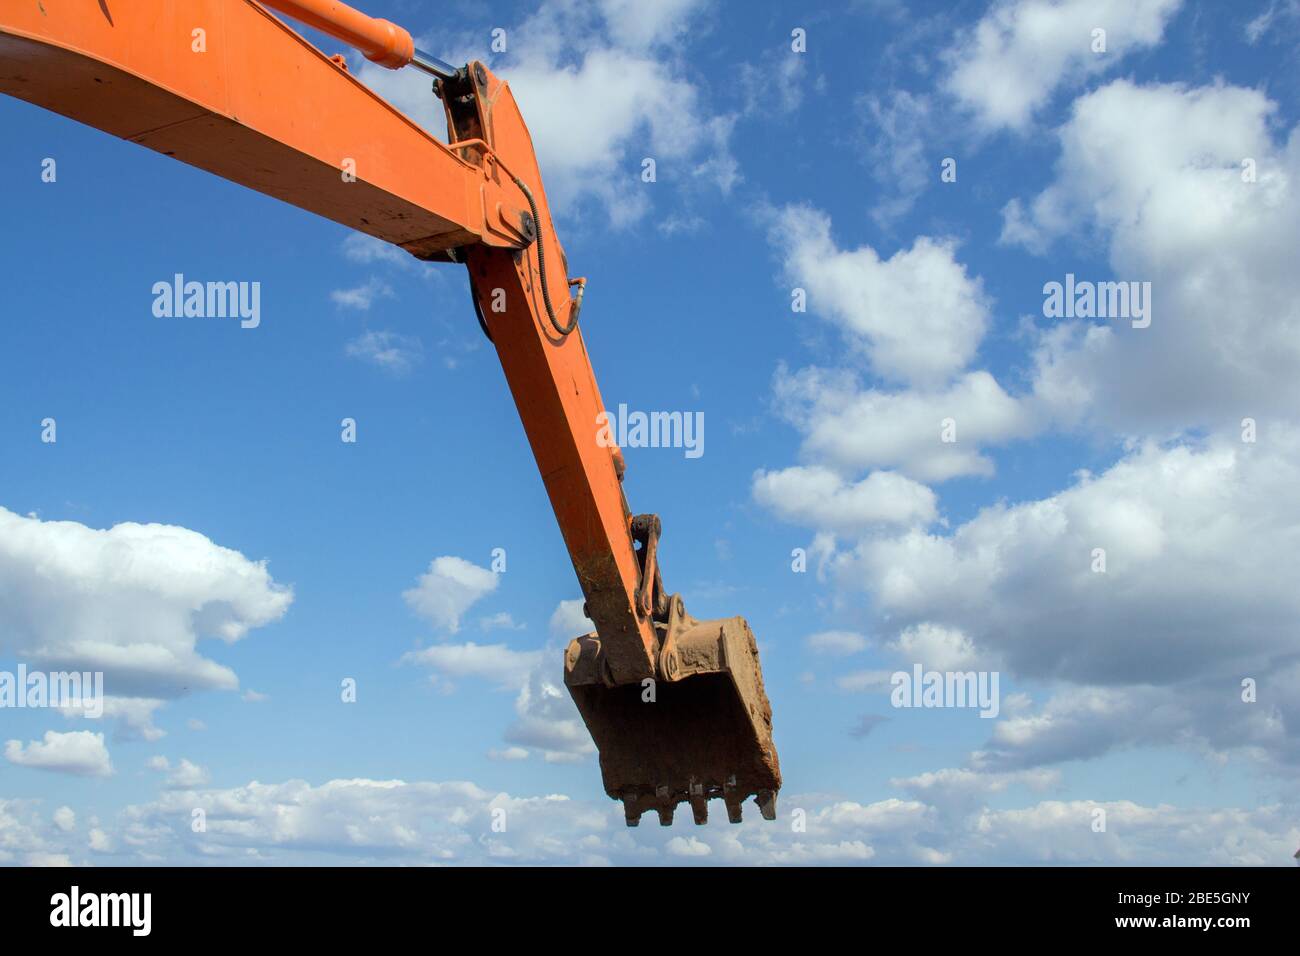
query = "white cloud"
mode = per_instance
[
  {"x": 944, "y": 818},
  {"x": 359, "y": 247},
  {"x": 851, "y": 429},
  {"x": 390, "y": 351},
  {"x": 370, "y": 820},
  {"x": 936, "y": 648},
  {"x": 132, "y": 601},
  {"x": 1196, "y": 594},
  {"x": 187, "y": 776},
  {"x": 1157, "y": 171},
  {"x": 546, "y": 718},
  {"x": 501, "y": 621},
  {"x": 898, "y": 125},
  {"x": 688, "y": 846},
  {"x": 134, "y": 716},
  {"x": 1008, "y": 66},
  {"x": 637, "y": 25},
  {"x": 1267, "y": 20},
  {"x": 22, "y": 838},
  {"x": 918, "y": 319},
  {"x": 821, "y": 499},
  {"x": 80, "y": 753},
  {"x": 839, "y": 643},
  {"x": 774, "y": 87},
  {"x": 183, "y": 775},
  {"x": 917, "y": 316},
  {"x": 448, "y": 589},
  {"x": 362, "y": 297},
  {"x": 1060, "y": 832},
  {"x": 65, "y": 819},
  {"x": 497, "y": 663},
  {"x": 1019, "y": 579},
  {"x": 962, "y": 790},
  {"x": 568, "y": 620}
]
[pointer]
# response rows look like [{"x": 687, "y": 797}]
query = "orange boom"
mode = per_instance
[{"x": 226, "y": 86}]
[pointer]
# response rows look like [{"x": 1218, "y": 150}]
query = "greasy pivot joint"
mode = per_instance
[{"x": 650, "y": 597}]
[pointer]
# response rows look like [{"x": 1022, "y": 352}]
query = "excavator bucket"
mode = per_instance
[{"x": 702, "y": 730}]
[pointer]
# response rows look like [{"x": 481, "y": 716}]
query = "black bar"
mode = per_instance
[{"x": 568, "y": 907}]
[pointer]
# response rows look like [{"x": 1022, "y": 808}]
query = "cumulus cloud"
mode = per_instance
[
  {"x": 1190, "y": 555},
  {"x": 132, "y": 601},
  {"x": 80, "y": 753},
  {"x": 914, "y": 323},
  {"x": 24, "y": 838},
  {"x": 943, "y": 817},
  {"x": 821, "y": 499},
  {"x": 689, "y": 847},
  {"x": 372, "y": 820},
  {"x": 1060, "y": 832},
  {"x": 1198, "y": 543},
  {"x": 448, "y": 589},
  {"x": 935, "y": 647},
  {"x": 1161, "y": 173},
  {"x": 953, "y": 790},
  {"x": 134, "y": 716},
  {"x": 508, "y": 669},
  {"x": 1009, "y": 64},
  {"x": 65, "y": 819},
  {"x": 187, "y": 775},
  {"x": 852, "y": 429},
  {"x": 917, "y": 317},
  {"x": 546, "y": 719}
]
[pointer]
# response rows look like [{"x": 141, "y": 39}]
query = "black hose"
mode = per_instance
[
  {"x": 478, "y": 310},
  {"x": 563, "y": 330}
]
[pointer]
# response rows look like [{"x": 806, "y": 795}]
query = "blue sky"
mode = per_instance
[{"x": 777, "y": 170}]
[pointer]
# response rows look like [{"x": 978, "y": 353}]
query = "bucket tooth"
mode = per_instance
[
  {"x": 766, "y": 801},
  {"x": 733, "y": 798},
  {"x": 666, "y": 806},
  {"x": 632, "y": 809},
  {"x": 699, "y": 803}
]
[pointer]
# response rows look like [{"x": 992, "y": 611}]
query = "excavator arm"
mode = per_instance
[{"x": 676, "y": 706}]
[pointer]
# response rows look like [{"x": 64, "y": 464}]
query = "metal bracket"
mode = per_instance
[{"x": 650, "y": 597}]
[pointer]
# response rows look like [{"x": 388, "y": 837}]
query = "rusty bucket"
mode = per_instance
[{"x": 702, "y": 730}]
